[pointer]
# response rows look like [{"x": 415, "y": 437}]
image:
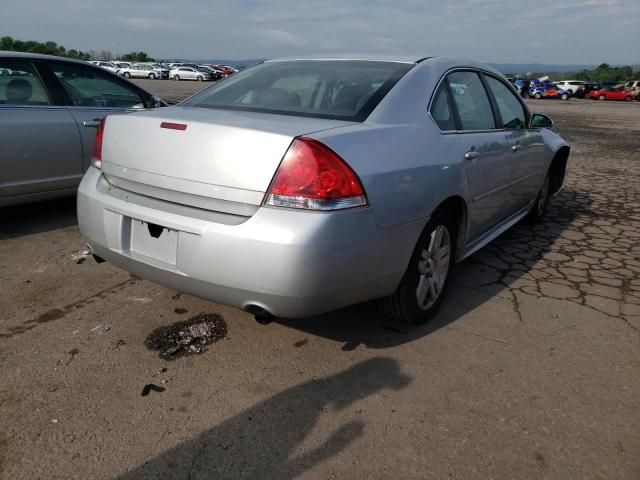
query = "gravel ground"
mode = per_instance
[{"x": 531, "y": 369}]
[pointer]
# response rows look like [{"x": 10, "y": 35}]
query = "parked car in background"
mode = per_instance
[
  {"x": 633, "y": 87},
  {"x": 522, "y": 85},
  {"x": 218, "y": 70},
  {"x": 611, "y": 93},
  {"x": 226, "y": 70},
  {"x": 547, "y": 90},
  {"x": 164, "y": 70},
  {"x": 48, "y": 118},
  {"x": 107, "y": 66},
  {"x": 189, "y": 73},
  {"x": 143, "y": 70},
  {"x": 570, "y": 86},
  {"x": 215, "y": 74},
  {"x": 273, "y": 191},
  {"x": 587, "y": 87},
  {"x": 121, "y": 65}
]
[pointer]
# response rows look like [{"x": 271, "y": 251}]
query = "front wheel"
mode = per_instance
[
  {"x": 126, "y": 75},
  {"x": 564, "y": 96},
  {"x": 176, "y": 78},
  {"x": 152, "y": 76},
  {"x": 627, "y": 99},
  {"x": 542, "y": 200},
  {"x": 425, "y": 281},
  {"x": 601, "y": 97},
  {"x": 538, "y": 96},
  {"x": 199, "y": 78}
]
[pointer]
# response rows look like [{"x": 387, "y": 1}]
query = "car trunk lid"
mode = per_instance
[{"x": 215, "y": 159}]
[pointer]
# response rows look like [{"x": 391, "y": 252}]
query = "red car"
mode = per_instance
[{"x": 611, "y": 93}]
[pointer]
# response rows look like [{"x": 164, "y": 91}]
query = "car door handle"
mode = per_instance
[
  {"x": 516, "y": 147},
  {"x": 91, "y": 123},
  {"x": 471, "y": 155}
]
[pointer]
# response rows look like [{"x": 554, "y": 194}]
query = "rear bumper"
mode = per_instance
[{"x": 289, "y": 263}]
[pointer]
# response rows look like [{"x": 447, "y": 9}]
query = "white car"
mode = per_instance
[
  {"x": 143, "y": 70},
  {"x": 633, "y": 86},
  {"x": 189, "y": 73},
  {"x": 570, "y": 86},
  {"x": 106, "y": 65}
]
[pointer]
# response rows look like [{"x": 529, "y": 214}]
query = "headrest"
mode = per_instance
[{"x": 18, "y": 90}]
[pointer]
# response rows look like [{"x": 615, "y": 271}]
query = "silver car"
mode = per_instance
[
  {"x": 143, "y": 70},
  {"x": 189, "y": 73},
  {"x": 300, "y": 186},
  {"x": 49, "y": 110}
]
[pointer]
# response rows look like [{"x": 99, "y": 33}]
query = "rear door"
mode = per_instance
[
  {"x": 486, "y": 150},
  {"x": 90, "y": 94},
  {"x": 40, "y": 148},
  {"x": 526, "y": 156}
]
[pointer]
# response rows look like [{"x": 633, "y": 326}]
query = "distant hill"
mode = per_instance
[{"x": 523, "y": 68}]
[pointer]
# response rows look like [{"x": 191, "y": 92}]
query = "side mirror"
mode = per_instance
[{"x": 539, "y": 120}]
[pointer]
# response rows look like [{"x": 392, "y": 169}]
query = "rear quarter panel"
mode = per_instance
[{"x": 406, "y": 170}]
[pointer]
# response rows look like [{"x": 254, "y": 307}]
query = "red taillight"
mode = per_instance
[
  {"x": 173, "y": 126},
  {"x": 96, "y": 156},
  {"x": 313, "y": 176}
]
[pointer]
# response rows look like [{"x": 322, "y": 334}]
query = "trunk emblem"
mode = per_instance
[{"x": 173, "y": 126}]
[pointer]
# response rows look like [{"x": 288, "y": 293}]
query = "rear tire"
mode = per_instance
[
  {"x": 126, "y": 75},
  {"x": 542, "y": 200},
  {"x": 176, "y": 78},
  {"x": 537, "y": 96},
  {"x": 602, "y": 97},
  {"x": 424, "y": 284},
  {"x": 564, "y": 96},
  {"x": 627, "y": 99},
  {"x": 199, "y": 78},
  {"x": 152, "y": 76}
]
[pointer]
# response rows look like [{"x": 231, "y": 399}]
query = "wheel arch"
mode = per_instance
[
  {"x": 457, "y": 206},
  {"x": 558, "y": 168}
]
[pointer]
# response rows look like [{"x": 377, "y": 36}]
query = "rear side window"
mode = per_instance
[
  {"x": 471, "y": 100},
  {"x": 92, "y": 87},
  {"x": 441, "y": 110},
  {"x": 20, "y": 84},
  {"x": 510, "y": 108},
  {"x": 336, "y": 89}
]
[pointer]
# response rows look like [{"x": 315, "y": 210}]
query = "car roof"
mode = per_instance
[
  {"x": 39, "y": 56},
  {"x": 362, "y": 57}
]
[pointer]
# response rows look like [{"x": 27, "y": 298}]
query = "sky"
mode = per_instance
[{"x": 496, "y": 31}]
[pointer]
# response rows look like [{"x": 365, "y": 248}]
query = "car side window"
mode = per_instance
[
  {"x": 91, "y": 87},
  {"x": 471, "y": 100},
  {"x": 441, "y": 110},
  {"x": 510, "y": 108},
  {"x": 20, "y": 84}
]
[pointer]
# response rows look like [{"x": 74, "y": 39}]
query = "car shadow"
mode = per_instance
[
  {"x": 486, "y": 274},
  {"x": 260, "y": 442},
  {"x": 19, "y": 220}
]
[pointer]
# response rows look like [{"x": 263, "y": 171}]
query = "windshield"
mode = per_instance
[{"x": 336, "y": 89}]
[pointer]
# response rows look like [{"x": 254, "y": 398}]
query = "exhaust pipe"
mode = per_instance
[{"x": 262, "y": 316}]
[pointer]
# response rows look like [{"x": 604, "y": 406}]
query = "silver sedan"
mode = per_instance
[
  {"x": 189, "y": 73},
  {"x": 301, "y": 186},
  {"x": 49, "y": 110}
]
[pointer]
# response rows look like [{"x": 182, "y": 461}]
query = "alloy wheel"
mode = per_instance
[{"x": 433, "y": 266}]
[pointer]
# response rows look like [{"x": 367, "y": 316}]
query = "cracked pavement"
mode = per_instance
[{"x": 530, "y": 370}]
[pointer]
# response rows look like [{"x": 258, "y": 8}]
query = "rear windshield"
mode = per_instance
[{"x": 335, "y": 89}]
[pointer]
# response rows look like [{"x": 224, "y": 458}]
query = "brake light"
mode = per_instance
[
  {"x": 96, "y": 156},
  {"x": 312, "y": 176}
]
